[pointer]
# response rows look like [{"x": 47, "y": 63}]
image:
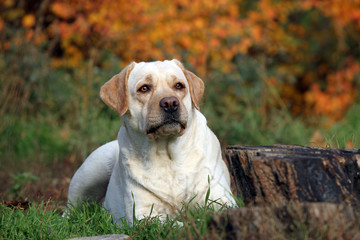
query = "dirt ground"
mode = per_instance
[{"x": 48, "y": 181}]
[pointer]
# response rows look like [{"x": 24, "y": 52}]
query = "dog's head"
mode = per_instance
[{"x": 156, "y": 97}]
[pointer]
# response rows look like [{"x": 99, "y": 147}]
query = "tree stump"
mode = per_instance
[
  {"x": 272, "y": 174},
  {"x": 290, "y": 221}
]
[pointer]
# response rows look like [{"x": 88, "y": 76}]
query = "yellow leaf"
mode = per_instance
[{"x": 28, "y": 20}]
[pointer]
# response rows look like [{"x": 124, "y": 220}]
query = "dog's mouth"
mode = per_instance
[{"x": 166, "y": 128}]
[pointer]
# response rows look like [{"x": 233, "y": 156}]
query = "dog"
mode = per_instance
[{"x": 165, "y": 155}]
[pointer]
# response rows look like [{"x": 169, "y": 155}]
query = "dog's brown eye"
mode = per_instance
[
  {"x": 179, "y": 86},
  {"x": 144, "y": 89}
]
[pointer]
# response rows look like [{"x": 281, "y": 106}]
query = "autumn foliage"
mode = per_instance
[{"x": 308, "y": 50}]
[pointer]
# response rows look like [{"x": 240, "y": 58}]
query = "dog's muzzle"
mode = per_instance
[{"x": 171, "y": 122}]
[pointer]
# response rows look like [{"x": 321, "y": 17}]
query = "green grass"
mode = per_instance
[
  {"x": 345, "y": 133},
  {"x": 39, "y": 222}
]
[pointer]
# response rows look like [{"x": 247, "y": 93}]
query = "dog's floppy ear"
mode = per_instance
[
  {"x": 115, "y": 91},
  {"x": 195, "y": 83}
]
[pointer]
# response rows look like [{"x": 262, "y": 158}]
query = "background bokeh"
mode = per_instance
[{"x": 276, "y": 72}]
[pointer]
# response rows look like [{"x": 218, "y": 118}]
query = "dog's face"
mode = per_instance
[{"x": 156, "y": 97}]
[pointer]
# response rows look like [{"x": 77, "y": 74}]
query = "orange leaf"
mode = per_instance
[
  {"x": 62, "y": 10},
  {"x": 2, "y": 24},
  {"x": 28, "y": 20}
]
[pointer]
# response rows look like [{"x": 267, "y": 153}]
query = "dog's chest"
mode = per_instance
[{"x": 170, "y": 180}]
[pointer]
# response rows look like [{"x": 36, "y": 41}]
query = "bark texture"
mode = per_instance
[
  {"x": 291, "y": 221},
  {"x": 279, "y": 173}
]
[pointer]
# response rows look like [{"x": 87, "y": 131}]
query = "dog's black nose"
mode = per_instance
[{"x": 169, "y": 104}]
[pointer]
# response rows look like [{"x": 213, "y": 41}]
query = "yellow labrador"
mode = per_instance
[{"x": 164, "y": 155}]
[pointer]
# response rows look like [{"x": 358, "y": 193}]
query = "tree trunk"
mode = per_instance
[{"x": 273, "y": 174}]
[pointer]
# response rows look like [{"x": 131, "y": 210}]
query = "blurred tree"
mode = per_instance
[{"x": 308, "y": 50}]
